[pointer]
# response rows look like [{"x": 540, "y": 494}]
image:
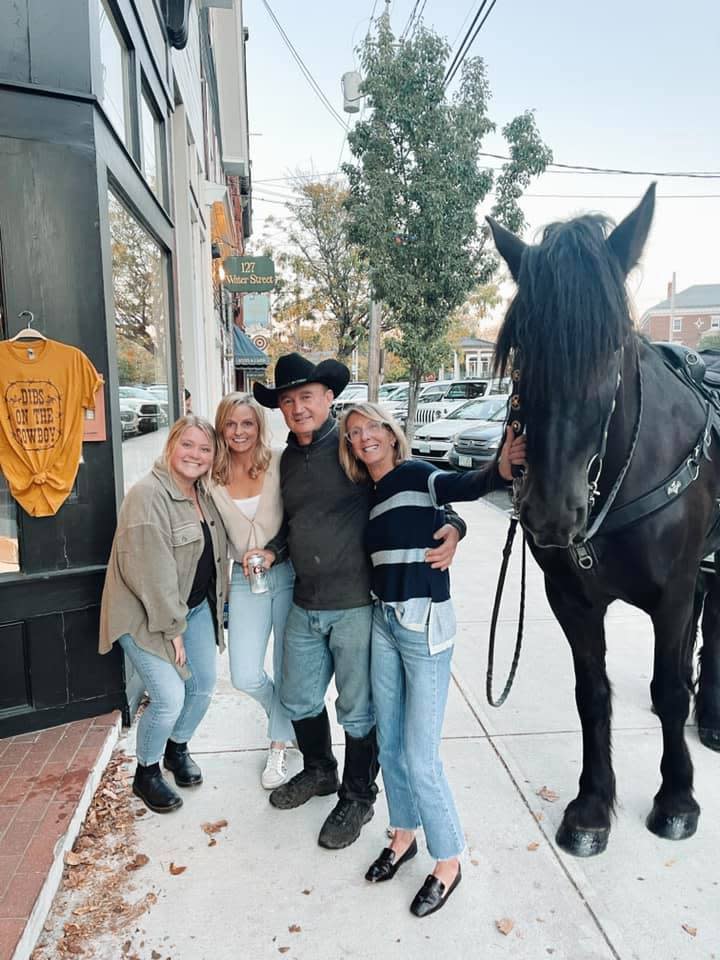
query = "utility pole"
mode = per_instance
[{"x": 373, "y": 350}]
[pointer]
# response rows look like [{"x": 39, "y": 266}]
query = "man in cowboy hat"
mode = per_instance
[{"x": 328, "y": 629}]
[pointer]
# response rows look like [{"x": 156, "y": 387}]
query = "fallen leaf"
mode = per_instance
[
  {"x": 214, "y": 827},
  {"x": 141, "y": 811},
  {"x": 505, "y": 925},
  {"x": 547, "y": 794},
  {"x": 176, "y": 871},
  {"x": 539, "y": 816},
  {"x": 294, "y": 928},
  {"x": 155, "y": 955},
  {"x": 670, "y": 863},
  {"x": 283, "y": 949},
  {"x": 475, "y": 863},
  {"x": 690, "y": 930},
  {"x": 533, "y": 846},
  {"x": 307, "y": 892},
  {"x": 126, "y": 946},
  {"x": 212, "y": 842},
  {"x": 139, "y": 860}
]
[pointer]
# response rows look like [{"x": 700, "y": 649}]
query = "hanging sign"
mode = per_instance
[{"x": 249, "y": 274}]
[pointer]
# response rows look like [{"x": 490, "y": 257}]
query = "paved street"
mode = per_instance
[{"x": 266, "y": 885}]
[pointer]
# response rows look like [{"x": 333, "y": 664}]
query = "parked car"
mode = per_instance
[
  {"x": 145, "y": 405},
  {"x": 451, "y": 394},
  {"x": 129, "y": 420},
  {"x": 434, "y": 441},
  {"x": 160, "y": 392},
  {"x": 388, "y": 390},
  {"x": 358, "y": 393},
  {"x": 475, "y": 447}
]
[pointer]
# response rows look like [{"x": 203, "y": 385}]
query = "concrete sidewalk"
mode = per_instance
[{"x": 266, "y": 889}]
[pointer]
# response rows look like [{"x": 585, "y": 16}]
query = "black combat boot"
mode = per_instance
[
  {"x": 357, "y": 793},
  {"x": 154, "y": 790},
  {"x": 178, "y": 761},
  {"x": 318, "y": 778}
]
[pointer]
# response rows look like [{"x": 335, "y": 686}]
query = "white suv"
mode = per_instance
[{"x": 451, "y": 394}]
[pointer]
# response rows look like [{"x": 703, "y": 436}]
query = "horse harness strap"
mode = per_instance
[{"x": 670, "y": 488}]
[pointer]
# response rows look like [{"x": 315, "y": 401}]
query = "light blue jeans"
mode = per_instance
[
  {"x": 176, "y": 706},
  {"x": 410, "y": 688},
  {"x": 318, "y": 643},
  {"x": 251, "y": 618}
]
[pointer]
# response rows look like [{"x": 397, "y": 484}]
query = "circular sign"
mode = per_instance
[{"x": 260, "y": 342}]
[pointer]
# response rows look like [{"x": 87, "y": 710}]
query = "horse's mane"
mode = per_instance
[{"x": 570, "y": 312}]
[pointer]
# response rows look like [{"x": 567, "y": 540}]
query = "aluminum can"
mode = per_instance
[{"x": 257, "y": 573}]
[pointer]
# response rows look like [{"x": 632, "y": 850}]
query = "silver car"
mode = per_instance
[{"x": 433, "y": 441}]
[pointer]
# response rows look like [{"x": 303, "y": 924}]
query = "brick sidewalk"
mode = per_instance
[{"x": 47, "y": 779}]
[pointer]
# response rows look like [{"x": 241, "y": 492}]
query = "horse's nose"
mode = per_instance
[{"x": 555, "y": 528}]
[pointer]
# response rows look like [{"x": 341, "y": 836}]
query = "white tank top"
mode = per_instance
[{"x": 248, "y": 506}]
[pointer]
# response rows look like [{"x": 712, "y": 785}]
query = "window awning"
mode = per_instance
[{"x": 246, "y": 353}]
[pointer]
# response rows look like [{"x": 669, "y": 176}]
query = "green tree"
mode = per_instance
[
  {"x": 321, "y": 254},
  {"x": 416, "y": 184}
]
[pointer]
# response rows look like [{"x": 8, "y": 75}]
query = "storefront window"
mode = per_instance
[
  {"x": 113, "y": 57},
  {"x": 151, "y": 146},
  {"x": 9, "y": 560},
  {"x": 142, "y": 339}
]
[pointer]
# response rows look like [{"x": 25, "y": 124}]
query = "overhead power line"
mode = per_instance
[
  {"x": 314, "y": 85},
  {"x": 410, "y": 19},
  {"x": 585, "y": 168},
  {"x": 457, "y": 63},
  {"x": 417, "y": 20}
]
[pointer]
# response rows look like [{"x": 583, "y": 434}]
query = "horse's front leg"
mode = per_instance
[
  {"x": 585, "y": 826},
  {"x": 675, "y": 813},
  {"x": 707, "y": 701}
]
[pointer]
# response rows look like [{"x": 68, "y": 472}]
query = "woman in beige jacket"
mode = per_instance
[
  {"x": 162, "y": 602},
  {"x": 246, "y": 491}
]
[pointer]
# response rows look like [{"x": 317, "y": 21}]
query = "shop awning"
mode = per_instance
[{"x": 246, "y": 353}]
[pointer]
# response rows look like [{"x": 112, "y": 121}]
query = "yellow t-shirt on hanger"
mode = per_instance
[{"x": 44, "y": 387}]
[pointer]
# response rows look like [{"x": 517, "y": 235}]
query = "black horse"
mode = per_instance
[{"x": 619, "y": 499}]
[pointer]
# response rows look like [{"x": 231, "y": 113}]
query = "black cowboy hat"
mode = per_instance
[{"x": 292, "y": 370}]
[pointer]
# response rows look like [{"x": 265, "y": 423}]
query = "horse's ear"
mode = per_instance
[
  {"x": 510, "y": 247},
  {"x": 628, "y": 238}
]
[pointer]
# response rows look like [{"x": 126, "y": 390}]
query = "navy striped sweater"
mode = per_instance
[{"x": 406, "y": 508}]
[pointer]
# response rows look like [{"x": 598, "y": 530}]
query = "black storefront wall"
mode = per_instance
[{"x": 56, "y": 155}]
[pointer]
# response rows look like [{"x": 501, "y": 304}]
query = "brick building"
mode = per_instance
[{"x": 696, "y": 313}]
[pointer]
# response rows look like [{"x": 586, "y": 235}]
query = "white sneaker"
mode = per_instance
[{"x": 275, "y": 772}]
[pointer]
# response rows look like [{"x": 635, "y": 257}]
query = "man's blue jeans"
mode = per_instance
[
  {"x": 176, "y": 706},
  {"x": 252, "y": 617},
  {"x": 318, "y": 643},
  {"x": 410, "y": 688}
]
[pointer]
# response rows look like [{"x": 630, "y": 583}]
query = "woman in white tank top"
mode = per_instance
[{"x": 247, "y": 494}]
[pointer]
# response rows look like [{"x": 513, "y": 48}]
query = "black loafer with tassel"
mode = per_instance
[
  {"x": 386, "y": 866},
  {"x": 432, "y": 896}
]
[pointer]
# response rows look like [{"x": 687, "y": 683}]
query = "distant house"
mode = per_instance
[
  {"x": 473, "y": 358},
  {"x": 696, "y": 312}
]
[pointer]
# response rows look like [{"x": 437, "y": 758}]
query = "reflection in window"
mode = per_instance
[
  {"x": 113, "y": 57},
  {"x": 151, "y": 129},
  {"x": 9, "y": 560},
  {"x": 141, "y": 332}
]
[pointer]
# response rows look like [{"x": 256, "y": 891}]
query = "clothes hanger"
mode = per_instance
[{"x": 27, "y": 333}]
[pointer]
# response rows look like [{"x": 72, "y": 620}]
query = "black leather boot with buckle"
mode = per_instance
[
  {"x": 357, "y": 793},
  {"x": 154, "y": 790},
  {"x": 178, "y": 760},
  {"x": 318, "y": 778}
]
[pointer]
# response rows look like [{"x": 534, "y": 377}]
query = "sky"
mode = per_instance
[{"x": 622, "y": 84}]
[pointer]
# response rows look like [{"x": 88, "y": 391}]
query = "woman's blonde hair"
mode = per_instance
[
  {"x": 173, "y": 439},
  {"x": 354, "y": 468},
  {"x": 261, "y": 452}
]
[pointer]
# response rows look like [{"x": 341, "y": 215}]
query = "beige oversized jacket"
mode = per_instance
[
  {"x": 243, "y": 534},
  {"x": 154, "y": 556}
]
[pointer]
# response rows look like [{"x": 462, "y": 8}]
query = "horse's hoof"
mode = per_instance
[
  {"x": 583, "y": 842},
  {"x": 677, "y": 826},
  {"x": 709, "y": 737}
]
